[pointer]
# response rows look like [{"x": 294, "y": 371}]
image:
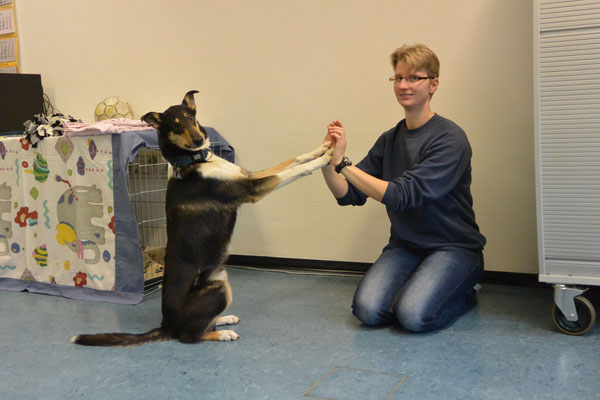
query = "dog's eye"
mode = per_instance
[{"x": 191, "y": 117}]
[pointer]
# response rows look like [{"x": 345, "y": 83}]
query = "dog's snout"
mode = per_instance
[
  {"x": 196, "y": 138},
  {"x": 198, "y": 141}
]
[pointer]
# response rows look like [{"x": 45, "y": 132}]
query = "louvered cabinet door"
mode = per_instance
[{"x": 567, "y": 139}]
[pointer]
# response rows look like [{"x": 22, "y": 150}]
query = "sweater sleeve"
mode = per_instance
[
  {"x": 372, "y": 164},
  {"x": 442, "y": 165}
]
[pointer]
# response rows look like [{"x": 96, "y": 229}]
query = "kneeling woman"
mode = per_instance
[{"x": 421, "y": 171}]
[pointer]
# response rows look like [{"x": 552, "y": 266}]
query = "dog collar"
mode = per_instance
[
  {"x": 198, "y": 157},
  {"x": 180, "y": 164}
]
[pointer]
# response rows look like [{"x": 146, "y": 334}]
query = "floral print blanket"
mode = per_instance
[{"x": 59, "y": 219}]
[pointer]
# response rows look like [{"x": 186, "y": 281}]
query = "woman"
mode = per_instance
[{"x": 421, "y": 171}]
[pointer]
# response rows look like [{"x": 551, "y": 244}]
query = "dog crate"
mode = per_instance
[
  {"x": 147, "y": 194},
  {"x": 148, "y": 176}
]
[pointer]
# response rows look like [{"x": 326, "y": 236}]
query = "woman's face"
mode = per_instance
[{"x": 416, "y": 94}]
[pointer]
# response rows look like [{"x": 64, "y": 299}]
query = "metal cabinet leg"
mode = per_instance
[{"x": 564, "y": 299}]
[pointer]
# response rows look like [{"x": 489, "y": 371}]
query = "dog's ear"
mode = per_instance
[
  {"x": 153, "y": 119},
  {"x": 188, "y": 100}
]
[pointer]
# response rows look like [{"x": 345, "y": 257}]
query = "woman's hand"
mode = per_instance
[
  {"x": 336, "y": 133},
  {"x": 336, "y": 183}
]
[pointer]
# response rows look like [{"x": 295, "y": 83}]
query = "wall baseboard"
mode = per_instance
[{"x": 358, "y": 268}]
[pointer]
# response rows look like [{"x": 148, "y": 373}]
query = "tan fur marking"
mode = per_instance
[
  {"x": 228, "y": 294},
  {"x": 220, "y": 336},
  {"x": 177, "y": 140},
  {"x": 266, "y": 187},
  {"x": 217, "y": 285},
  {"x": 185, "y": 140},
  {"x": 211, "y": 336},
  {"x": 273, "y": 170},
  {"x": 188, "y": 138}
]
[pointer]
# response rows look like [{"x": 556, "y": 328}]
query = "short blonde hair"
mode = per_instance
[{"x": 418, "y": 57}]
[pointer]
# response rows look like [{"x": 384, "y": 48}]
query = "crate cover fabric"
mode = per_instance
[{"x": 66, "y": 224}]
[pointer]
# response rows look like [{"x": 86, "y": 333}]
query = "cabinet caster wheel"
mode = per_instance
[{"x": 586, "y": 318}]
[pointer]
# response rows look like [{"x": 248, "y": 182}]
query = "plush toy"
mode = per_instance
[{"x": 153, "y": 262}]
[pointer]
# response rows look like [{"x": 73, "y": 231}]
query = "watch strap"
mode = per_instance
[{"x": 344, "y": 163}]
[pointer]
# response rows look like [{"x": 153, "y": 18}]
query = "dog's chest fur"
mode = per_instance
[{"x": 220, "y": 169}]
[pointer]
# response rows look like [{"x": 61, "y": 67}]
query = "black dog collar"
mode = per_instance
[
  {"x": 197, "y": 157},
  {"x": 181, "y": 163}
]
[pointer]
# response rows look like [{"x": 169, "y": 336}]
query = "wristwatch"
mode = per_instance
[{"x": 344, "y": 163}]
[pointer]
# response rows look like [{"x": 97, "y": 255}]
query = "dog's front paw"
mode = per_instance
[
  {"x": 323, "y": 148},
  {"x": 313, "y": 155},
  {"x": 228, "y": 336},
  {"x": 227, "y": 320},
  {"x": 326, "y": 158}
]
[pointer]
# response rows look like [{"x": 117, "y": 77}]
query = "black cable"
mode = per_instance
[{"x": 48, "y": 108}]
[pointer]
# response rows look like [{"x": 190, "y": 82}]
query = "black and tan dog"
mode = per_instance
[{"x": 203, "y": 196}]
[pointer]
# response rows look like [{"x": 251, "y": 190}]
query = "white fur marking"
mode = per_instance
[
  {"x": 291, "y": 174},
  {"x": 227, "y": 336},
  {"x": 301, "y": 159},
  {"x": 227, "y": 320},
  {"x": 205, "y": 145},
  {"x": 218, "y": 168}
]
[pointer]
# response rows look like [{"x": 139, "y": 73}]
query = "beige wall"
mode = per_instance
[{"x": 271, "y": 74}]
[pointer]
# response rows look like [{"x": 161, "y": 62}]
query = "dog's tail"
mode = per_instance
[{"x": 122, "y": 339}]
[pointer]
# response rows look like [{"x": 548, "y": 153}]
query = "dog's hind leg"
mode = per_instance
[
  {"x": 220, "y": 336},
  {"x": 205, "y": 302}
]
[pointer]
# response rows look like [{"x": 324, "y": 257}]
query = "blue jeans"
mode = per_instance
[{"x": 422, "y": 290}]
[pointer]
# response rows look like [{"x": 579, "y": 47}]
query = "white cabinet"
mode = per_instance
[{"x": 567, "y": 142}]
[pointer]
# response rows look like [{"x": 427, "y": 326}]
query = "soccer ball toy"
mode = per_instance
[{"x": 113, "y": 107}]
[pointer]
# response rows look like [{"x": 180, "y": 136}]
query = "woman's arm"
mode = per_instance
[
  {"x": 337, "y": 185},
  {"x": 369, "y": 185}
]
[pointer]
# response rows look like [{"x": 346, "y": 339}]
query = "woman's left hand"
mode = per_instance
[{"x": 336, "y": 131}]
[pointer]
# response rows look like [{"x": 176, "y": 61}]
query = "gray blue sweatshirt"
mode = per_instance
[{"x": 428, "y": 199}]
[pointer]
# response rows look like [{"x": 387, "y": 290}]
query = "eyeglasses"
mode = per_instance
[{"x": 410, "y": 80}]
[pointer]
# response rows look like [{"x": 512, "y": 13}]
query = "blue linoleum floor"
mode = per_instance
[{"x": 298, "y": 341}]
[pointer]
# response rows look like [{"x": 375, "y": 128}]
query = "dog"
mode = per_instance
[{"x": 204, "y": 193}]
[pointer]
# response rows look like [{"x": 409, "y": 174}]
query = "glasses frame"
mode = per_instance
[{"x": 410, "y": 80}]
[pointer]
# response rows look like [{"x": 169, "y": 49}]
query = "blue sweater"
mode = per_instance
[{"x": 428, "y": 199}]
